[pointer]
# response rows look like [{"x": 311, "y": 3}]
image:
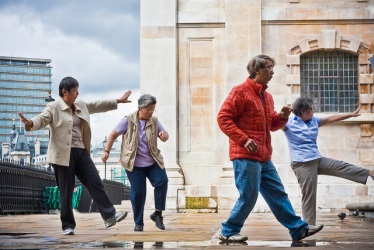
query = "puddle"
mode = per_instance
[
  {"x": 14, "y": 234},
  {"x": 97, "y": 244},
  {"x": 121, "y": 244},
  {"x": 184, "y": 245},
  {"x": 277, "y": 244},
  {"x": 18, "y": 239}
]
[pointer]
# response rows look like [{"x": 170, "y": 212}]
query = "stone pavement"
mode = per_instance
[{"x": 183, "y": 231}]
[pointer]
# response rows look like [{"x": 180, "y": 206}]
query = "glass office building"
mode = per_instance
[{"x": 25, "y": 86}]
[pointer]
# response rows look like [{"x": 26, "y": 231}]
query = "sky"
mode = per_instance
[{"x": 94, "y": 41}]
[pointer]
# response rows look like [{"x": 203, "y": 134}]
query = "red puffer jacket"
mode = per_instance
[{"x": 243, "y": 115}]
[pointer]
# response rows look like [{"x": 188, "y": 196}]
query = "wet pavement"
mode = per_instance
[{"x": 183, "y": 231}]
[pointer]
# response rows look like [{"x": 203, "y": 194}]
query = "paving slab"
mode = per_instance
[{"x": 183, "y": 231}]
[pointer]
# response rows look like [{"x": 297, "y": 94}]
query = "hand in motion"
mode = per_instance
[
  {"x": 105, "y": 156},
  {"x": 124, "y": 98},
  {"x": 251, "y": 145},
  {"x": 28, "y": 123},
  {"x": 285, "y": 112},
  {"x": 357, "y": 111},
  {"x": 164, "y": 136},
  {"x": 340, "y": 117}
]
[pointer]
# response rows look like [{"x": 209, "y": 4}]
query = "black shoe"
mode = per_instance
[
  {"x": 310, "y": 231},
  {"x": 138, "y": 244},
  {"x": 307, "y": 243},
  {"x": 117, "y": 217},
  {"x": 68, "y": 231},
  {"x": 158, "y": 244},
  {"x": 158, "y": 219},
  {"x": 138, "y": 228}
]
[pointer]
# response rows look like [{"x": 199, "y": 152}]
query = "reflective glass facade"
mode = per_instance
[{"x": 25, "y": 84}]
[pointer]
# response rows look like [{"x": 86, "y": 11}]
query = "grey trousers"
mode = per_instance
[{"x": 307, "y": 176}]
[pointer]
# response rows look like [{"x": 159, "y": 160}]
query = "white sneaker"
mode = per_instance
[
  {"x": 233, "y": 238},
  {"x": 68, "y": 231}
]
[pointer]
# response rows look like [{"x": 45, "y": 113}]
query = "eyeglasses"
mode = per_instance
[{"x": 150, "y": 110}]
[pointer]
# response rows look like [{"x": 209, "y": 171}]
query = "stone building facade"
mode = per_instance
[{"x": 194, "y": 51}]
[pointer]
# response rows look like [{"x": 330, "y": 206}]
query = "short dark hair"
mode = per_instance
[
  {"x": 256, "y": 63},
  {"x": 67, "y": 83},
  {"x": 302, "y": 104}
]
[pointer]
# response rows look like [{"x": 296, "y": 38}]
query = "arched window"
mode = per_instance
[{"x": 330, "y": 78}]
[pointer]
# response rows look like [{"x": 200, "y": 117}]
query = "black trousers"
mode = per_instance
[{"x": 82, "y": 166}]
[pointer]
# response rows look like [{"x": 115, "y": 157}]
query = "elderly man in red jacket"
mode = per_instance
[{"x": 247, "y": 116}]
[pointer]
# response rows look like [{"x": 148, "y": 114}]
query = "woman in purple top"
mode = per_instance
[
  {"x": 306, "y": 161},
  {"x": 142, "y": 159}
]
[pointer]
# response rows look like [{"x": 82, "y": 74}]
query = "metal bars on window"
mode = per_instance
[{"x": 330, "y": 78}]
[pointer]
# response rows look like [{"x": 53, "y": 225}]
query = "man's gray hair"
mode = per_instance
[
  {"x": 256, "y": 63},
  {"x": 146, "y": 100}
]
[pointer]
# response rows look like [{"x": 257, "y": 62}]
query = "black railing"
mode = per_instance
[
  {"x": 22, "y": 186},
  {"x": 116, "y": 192}
]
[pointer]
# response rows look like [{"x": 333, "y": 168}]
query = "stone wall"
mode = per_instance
[{"x": 193, "y": 52}]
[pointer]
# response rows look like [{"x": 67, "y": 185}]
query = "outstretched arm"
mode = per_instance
[
  {"x": 340, "y": 117},
  {"x": 101, "y": 106}
]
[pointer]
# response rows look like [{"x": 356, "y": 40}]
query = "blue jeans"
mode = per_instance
[
  {"x": 252, "y": 177},
  {"x": 138, "y": 180}
]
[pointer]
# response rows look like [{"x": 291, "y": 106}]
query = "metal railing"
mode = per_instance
[
  {"x": 22, "y": 186},
  {"x": 116, "y": 192}
]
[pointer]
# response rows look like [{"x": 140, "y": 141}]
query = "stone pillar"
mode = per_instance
[
  {"x": 243, "y": 37},
  {"x": 243, "y": 41},
  {"x": 158, "y": 78}
]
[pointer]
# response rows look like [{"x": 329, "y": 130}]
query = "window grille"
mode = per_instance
[{"x": 330, "y": 78}]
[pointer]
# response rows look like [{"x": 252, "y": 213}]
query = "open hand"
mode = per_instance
[
  {"x": 357, "y": 111},
  {"x": 285, "y": 112},
  {"x": 28, "y": 123},
  {"x": 124, "y": 98}
]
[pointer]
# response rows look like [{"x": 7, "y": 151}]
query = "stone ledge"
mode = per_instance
[
  {"x": 361, "y": 209},
  {"x": 360, "y": 206}
]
